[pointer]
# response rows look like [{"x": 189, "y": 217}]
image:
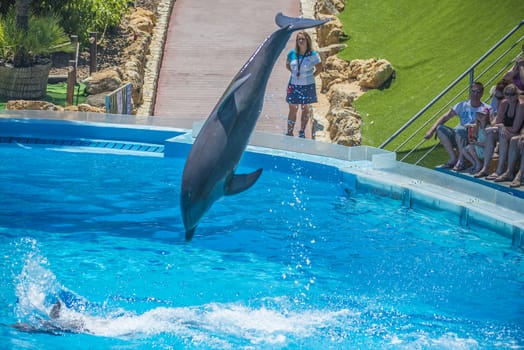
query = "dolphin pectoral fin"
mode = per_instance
[
  {"x": 239, "y": 183},
  {"x": 297, "y": 23}
]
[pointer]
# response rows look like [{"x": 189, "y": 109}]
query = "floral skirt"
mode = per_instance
[{"x": 301, "y": 94}]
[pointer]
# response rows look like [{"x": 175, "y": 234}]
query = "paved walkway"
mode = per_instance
[{"x": 207, "y": 43}]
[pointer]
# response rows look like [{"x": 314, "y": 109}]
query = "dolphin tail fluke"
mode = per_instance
[
  {"x": 239, "y": 183},
  {"x": 293, "y": 24}
]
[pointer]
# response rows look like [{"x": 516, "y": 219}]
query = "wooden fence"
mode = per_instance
[{"x": 120, "y": 100}]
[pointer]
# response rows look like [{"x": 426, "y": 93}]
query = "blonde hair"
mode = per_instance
[{"x": 309, "y": 42}]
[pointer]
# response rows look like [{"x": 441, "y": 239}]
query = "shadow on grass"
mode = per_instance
[{"x": 437, "y": 157}]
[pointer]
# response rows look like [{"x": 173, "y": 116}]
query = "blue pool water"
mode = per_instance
[{"x": 299, "y": 261}]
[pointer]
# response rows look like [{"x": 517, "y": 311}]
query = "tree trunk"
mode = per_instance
[
  {"x": 22, "y": 57},
  {"x": 22, "y": 14}
]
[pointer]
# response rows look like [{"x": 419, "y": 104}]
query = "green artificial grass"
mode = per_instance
[
  {"x": 56, "y": 94},
  {"x": 429, "y": 43}
]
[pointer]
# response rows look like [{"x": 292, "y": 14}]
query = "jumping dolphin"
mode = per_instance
[{"x": 211, "y": 163}]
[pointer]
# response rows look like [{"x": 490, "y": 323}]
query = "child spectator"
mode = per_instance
[{"x": 474, "y": 151}]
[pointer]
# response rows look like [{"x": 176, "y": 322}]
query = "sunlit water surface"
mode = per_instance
[{"x": 295, "y": 262}]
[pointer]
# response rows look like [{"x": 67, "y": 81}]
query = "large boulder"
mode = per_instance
[
  {"x": 331, "y": 32},
  {"x": 142, "y": 23},
  {"x": 97, "y": 100},
  {"x": 142, "y": 20},
  {"x": 103, "y": 81},
  {"x": 134, "y": 70},
  {"x": 342, "y": 96},
  {"x": 48, "y": 106},
  {"x": 335, "y": 71},
  {"x": 343, "y": 120},
  {"x": 344, "y": 126},
  {"x": 371, "y": 73},
  {"x": 83, "y": 107},
  {"x": 330, "y": 7},
  {"x": 330, "y": 50}
]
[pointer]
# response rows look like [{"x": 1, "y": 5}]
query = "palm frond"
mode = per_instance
[{"x": 43, "y": 37}]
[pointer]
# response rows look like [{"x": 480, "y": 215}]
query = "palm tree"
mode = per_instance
[
  {"x": 21, "y": 58},
  {"x": 25, "y": 41}
]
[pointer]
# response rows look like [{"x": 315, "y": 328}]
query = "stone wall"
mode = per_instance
[
  {"x": 140, "y": 23},
  {"x": 48, "y": 106},
  {"x": 342, "y": 82}
]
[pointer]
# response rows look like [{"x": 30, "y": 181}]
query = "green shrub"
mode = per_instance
[
  {"x": 80, "y": 17},
  {"x": 43, "y": 37}
]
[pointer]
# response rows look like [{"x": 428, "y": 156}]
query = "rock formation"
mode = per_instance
[
  {"x": 342, "y": 82},
  {"x": 140, "y": 24},
  {"x": 48, "y": 106}
]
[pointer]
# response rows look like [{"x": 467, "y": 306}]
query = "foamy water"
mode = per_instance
[
  {"x": 212, "y": 325},
  {"x": 38, "y": 289}
]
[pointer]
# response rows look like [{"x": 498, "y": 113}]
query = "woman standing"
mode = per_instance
[{"x": 304, "y": 64}]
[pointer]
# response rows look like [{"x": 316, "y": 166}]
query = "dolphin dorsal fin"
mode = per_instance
[{"x": 240, "y": 183}]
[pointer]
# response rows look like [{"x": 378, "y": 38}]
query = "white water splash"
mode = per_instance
[
  {"x": 34, "y": 283},
  {"x": 268, "y": 322},
  {"x": 37, "y": 290}
]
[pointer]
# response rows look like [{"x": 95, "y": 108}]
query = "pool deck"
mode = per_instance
[
  {"x": 206, "y": 45},
  {"x": 499, "y": 186}
]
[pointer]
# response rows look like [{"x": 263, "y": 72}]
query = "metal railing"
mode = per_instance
[{"x": 501, "y": 57}]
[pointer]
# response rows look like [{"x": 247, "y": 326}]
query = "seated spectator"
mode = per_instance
[
  {"x": 516, "y": 152},
  {"x": 516, "y": 74},
  {"x": 497, "y": 95},
  {"x": 456, "y": 138},
  {"x": 507, "y": 124},
  {"x": 474, "y": 151}
]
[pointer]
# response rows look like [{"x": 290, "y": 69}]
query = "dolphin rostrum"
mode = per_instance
[{"x": 211, "y": 163}]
